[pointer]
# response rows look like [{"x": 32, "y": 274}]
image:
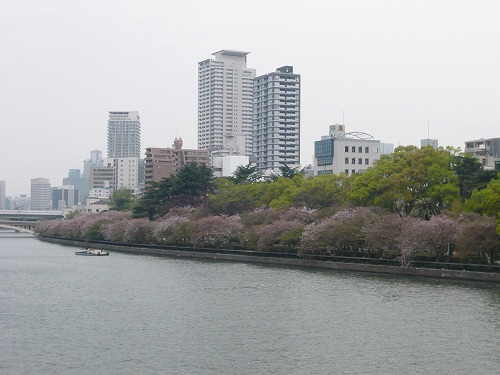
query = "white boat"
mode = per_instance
[{"x": 92, "y": 252}]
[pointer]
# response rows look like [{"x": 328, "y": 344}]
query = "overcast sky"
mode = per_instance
[{"x": 388, "y": 68}]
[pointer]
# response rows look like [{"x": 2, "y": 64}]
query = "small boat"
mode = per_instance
[{"x": 92, "y": 252}]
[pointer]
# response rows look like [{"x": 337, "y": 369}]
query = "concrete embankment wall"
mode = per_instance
[{"x": 382, "y": 269}]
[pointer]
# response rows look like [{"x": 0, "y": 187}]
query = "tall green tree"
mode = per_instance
[
  {"x": 288, "y": 172},
  {"x": 396, "y": 181},
  {"x": 245, "y": 174},
  {"x": 471, "y": 174},
  {"x": 485, "y": 201},
  {"x": 121, "y": 200}
]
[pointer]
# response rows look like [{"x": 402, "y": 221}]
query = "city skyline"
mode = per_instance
[{"x": 400, "y": 71}]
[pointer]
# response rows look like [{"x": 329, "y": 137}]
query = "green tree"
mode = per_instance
[
  {"x": 424, "y": 208},
  {"x": 471, "y": 174},
  {"x": 190, "y": 186},
  {"x": 288, "y": 172},
  {"x": 154, "y": 199},
  {"x": 121, "y": 200},
  {"x": 485, "y": 201},
  {"x": 396, "y": 181},
  {"x": 246, "y": 174}
]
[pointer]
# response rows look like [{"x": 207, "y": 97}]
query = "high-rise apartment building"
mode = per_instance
[
  {"x": 225, "y": 101},
  {"x": 276, "y": 119},
  {"x": 124, "y": 135},
  {"x": 41, "y": 194}
]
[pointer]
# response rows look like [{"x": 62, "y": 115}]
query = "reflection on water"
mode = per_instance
[{"x": 139, "y": 314}]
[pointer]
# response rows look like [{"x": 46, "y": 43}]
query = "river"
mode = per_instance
[{"x": 136, "y": 314}]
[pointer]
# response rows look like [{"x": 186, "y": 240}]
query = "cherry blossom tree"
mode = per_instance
[
  {"x": 342, "y": 232},
  {"x": 166, "y": 227},
  {"x": 217, "y": 230}
]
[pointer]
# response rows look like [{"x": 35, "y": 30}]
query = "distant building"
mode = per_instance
[
  {"x": 161, "y": 163},
  {"x": 124, "y": 134},
  {"x": 41, "y": 194},
  {"x": 486, "y": 150},
  {"x": 103, "y": 177},
  {"x": 115, "y": 173},
  {"x": 348, "y": 153},
  {"x": 64, "y": 197},
  {"x": 88, "y": 164},
  {"x": 2, "y": 194},
  {"x": 276, "y": 120},
  {"x": 429, "y": 142},
  {"x": 81, "y": 185},
  {"x": 21, "y": 202},
  {"x": 225, "y": 100}
]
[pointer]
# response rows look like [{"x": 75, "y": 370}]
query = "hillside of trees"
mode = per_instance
[{"x": 412, "y": 204}]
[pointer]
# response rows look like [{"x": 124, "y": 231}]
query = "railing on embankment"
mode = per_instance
[{"x": 462, "y": 271}]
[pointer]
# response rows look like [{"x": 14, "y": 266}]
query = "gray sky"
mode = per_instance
[{"x": 387, "y": 67}]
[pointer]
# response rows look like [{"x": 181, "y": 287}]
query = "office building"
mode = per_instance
[
  {"x": 487, "y": 151},
  {"x": 225, "y": 100},
  {"x": 276, "y": 120},
  {"x": 124, "y": 135},
  {"x": 41, "y": 194},
  {"x": 161, "y": 163},
  {"x": 348, "y": 153},
  {"x": 81, "y": 185},
  {"x": 64, "y": 197},
  {"x": 429, "y": 142},
  {"x": 88, "y": 164}
]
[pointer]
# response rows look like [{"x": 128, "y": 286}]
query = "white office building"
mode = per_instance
[
  {"x": 225, "y": 97},
  {"x": 41, "y": 194},
  {"x": 276, "y": 120},
  {"x": 124, "y": 135},
  {"x": 348, "y": 153}
]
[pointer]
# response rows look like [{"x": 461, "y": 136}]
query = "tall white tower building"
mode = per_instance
[
  {"x": 276, "y": 119},
  {"x": 41, "y": 194},
  {"x": 225, "y": 102},
  {"x": 124, "y": 135}
]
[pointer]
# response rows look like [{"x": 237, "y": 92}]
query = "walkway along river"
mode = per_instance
[{"x": 283, "y": 260}]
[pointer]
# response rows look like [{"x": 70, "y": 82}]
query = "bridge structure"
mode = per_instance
[{"x": 24, "y": 220}]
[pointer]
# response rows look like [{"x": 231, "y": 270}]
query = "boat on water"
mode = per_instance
[{"x": 92, "y": 252}]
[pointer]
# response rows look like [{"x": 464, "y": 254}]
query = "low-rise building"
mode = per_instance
[
  {"x": 348, "y": 153},
  {"x": 486, "y": 150}
]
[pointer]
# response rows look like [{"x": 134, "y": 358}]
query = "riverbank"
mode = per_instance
[{"x": 293, "y": 261}]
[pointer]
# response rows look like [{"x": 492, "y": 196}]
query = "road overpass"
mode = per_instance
[{"x": 25, "y": 220}]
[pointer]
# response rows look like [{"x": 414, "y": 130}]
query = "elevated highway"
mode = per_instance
[{"x": 25, "y": 221}]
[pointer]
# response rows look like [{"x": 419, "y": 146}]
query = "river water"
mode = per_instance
[{"x": 136, "y": 314}]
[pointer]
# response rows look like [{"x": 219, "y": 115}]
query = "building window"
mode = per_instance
[
  {"x": 346, "y": 148},
  {"x": 367, "y": 150},
  {"x": 353, "y": 148},
  {"x": 360, "y": 149},
  {"x": 353, "y": 171},
  {"x": 346, "y": 161},
  {"x": 353, "y": 160},
  {"x": 346, "y": 172},
  {"x": 360, "y": 161},
  {"x": 366, "y": 161}
]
